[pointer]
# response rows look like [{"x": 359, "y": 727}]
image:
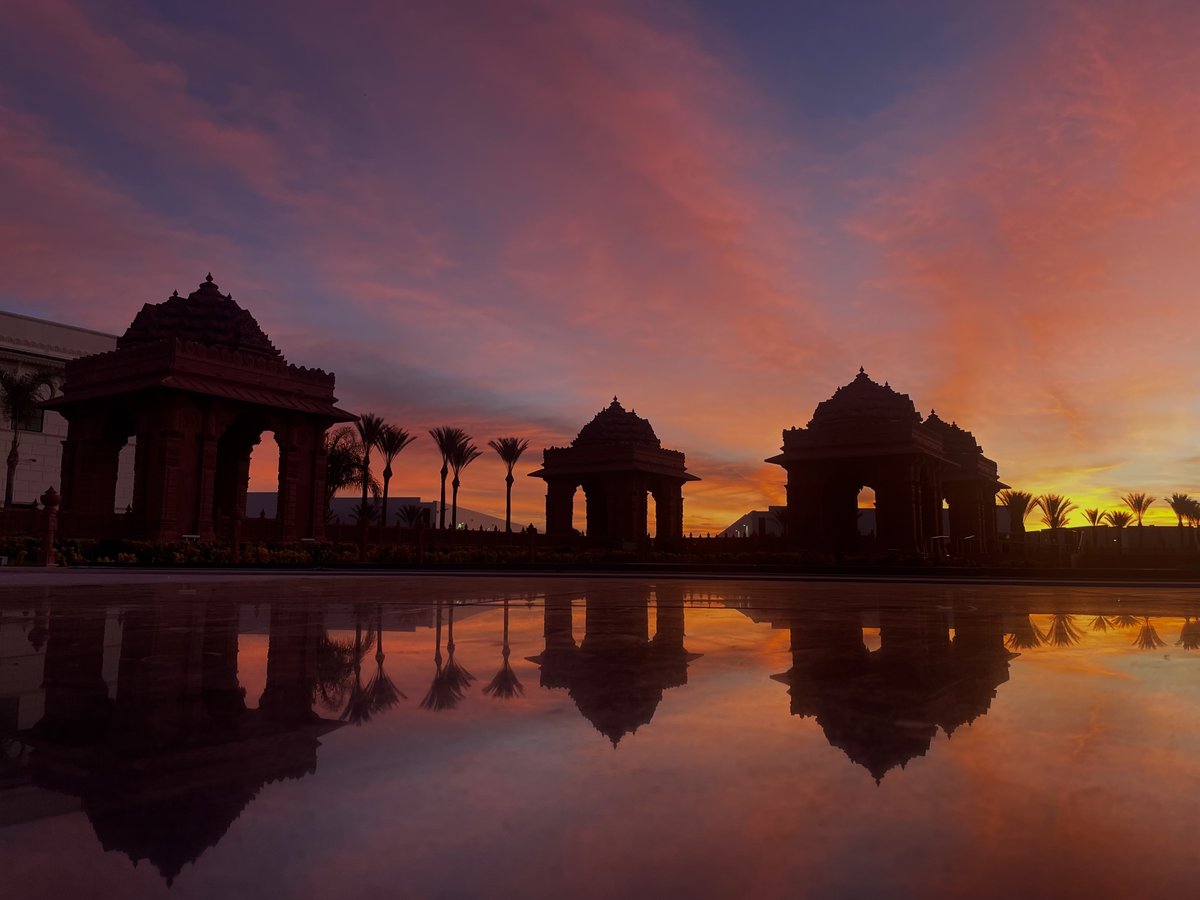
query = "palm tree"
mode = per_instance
[
  {"x": 1180, "y": 505},
  {"x": 370, "y": 430},
  {"x": 343, "y": 460},
  {"x": 1139, "y": 504},
  {"x": 1189, "y": 634},
  {"x": 19, "y": 398},
  {"x": 505, "y": 685},
  {"x": 391, "y": 441},
  {"x": 1118, "y": 519},
  {"x": 1063, "y": 632},
  {"x": 509, "y": 450},
  {"x": 446, "y": 439},
  {"x": 1025, "y": 635},
  {"x": 382, "y": 693},
  {"x": 1147, "y": 637},
  {"x": 1101, "y": 623},
  {"x": 445, "y": 691},
  {"x": 454, "y": 673},
  {"x": 1056, "y": 511},
  {"x": 463, "y": 455},
  {"x": 358, "y": 709},
  {"x": 1095, "y": 518},
  {"x": 1019, "y": 505},
  {"x": 411, "y": 514}
]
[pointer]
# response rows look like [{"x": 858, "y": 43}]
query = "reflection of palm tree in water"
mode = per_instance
[
  {"x": 1147, "y": 637},
  {"x": 1025, "y": 635},
  {"x": 1124, "y": 622},
  {"x": 456, "y": 673},
  {"x": 1101, "y": 623},
  {"x": 358, "y": 707},
  {"x": 445, "y": 691},
  {"x": 1189, "y": 634},
  {"x": 1063, "y": 632},
  {"x": 505, "y": 684},
  {"x": 382, "y": 694}
]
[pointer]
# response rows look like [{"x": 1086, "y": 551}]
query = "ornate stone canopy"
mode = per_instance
[
  {"x": 870, "y": 434},
  {"x": 196, "y": 382},
  {"x": 617, "y": 459}
]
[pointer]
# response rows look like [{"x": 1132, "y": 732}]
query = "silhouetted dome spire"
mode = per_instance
[
  {"x": 863, "y": 398},
  {"x": 616, "y": 425},
  {"x": 206, "y": 317}
]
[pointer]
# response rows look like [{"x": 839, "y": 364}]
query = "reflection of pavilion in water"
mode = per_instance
[
  {"x": 882, "y": 708},
  {"x": 617, "y": 674},
  {"x": 165, "y": 766}
]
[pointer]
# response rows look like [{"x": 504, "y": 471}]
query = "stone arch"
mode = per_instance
[{"x": 198, "y": 382}]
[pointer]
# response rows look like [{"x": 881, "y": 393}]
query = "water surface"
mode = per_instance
[{"x": 548, "y": 737}]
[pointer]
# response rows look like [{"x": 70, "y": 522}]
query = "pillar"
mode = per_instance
[{"x": 560, "y": 500}]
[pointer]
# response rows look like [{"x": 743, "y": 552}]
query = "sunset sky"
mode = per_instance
[{"x": 498, "y": 215}]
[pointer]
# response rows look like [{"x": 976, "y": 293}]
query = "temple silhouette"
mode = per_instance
[
  {"x": 868, "y": 434},
  {"x": 163, "y": 767},
  {"x": 196, "y": 382},
  {"x": 617, "y": 674},
  {"x": 883, "y": 708},
  {"x": 618, "y": 460}
]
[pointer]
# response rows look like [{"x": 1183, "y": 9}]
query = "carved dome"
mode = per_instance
[
  {"x": 206, "y": 317},
  {"x": 954, "y": 436},
  {"x": 863, "y": 398},
  {"x": 615, "y": 425}
]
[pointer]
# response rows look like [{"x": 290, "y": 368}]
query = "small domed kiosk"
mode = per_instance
[
  {"x": 618, "y": 460},
  {"x": 869, "y": 434},
  {"x": 196, "y": 382}
]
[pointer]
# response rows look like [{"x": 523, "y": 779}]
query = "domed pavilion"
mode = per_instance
[
  {"x": 868, "y": 434},
  {"x": 196, "y": 382},
  {"x": 619, "y": 461}
]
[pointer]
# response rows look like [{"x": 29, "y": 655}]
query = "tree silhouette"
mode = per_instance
[
  {"x": 411, "y": 514},
  {"x": 358, "y": 709},
  {"x": 509, "y": 449},
  {"x": 344, "y": 463},
  {"x": 1056, "y": 510},
  {"x": 1095, "y": 518},
  {"x": 1019, "y": 505},
  {"x": 1181, "y": 505},
  {"x": 1062, "y": 632},
  {"x": 447, "y": 440},
  {"x": 370, "y": 429},
  {"x": 1189, "y": 634},
  {"x": 1138, "y": 504},
  {"x": 1100, "y": 623},
  {"x": 505, "y": 685},
  {"x": 1147, "y": 637},
  {"x": 461, "y": 456},
  {"x": 19, "y": 399},
  {"x": 1118, "y": 519},
  {"x": 1025, "y": 635},
  {"x": 444, "y": 691},
  {"x": 382, "y": 694},
  {"x": 391, "y": 441}
]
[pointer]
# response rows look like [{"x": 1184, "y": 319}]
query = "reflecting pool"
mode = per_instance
[{"x": 453, "y": 736}]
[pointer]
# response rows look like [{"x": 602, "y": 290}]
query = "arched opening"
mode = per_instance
[
  {"x": 263, "y": 482},
  {"x": 868, "y": 526},
  {"x": 232, "y": 478},
  {"x": 126, "y": 460}
]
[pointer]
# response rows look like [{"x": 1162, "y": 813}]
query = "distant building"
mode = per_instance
[{"x": 29, "y": 345}]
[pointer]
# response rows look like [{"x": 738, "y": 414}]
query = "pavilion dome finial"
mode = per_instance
[
  {"x": 206, "y": 316},
  {"x": 616, "y": 425},
  {"x": 864, "y": 398}
]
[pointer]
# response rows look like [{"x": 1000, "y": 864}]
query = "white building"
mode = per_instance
[{"x": 27, "y": 345}]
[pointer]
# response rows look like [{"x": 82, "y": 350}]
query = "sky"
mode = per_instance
[{"x": 499, "y": 215}]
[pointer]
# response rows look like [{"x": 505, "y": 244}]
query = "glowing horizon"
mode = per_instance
[{"x": 497, "y": 216}]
